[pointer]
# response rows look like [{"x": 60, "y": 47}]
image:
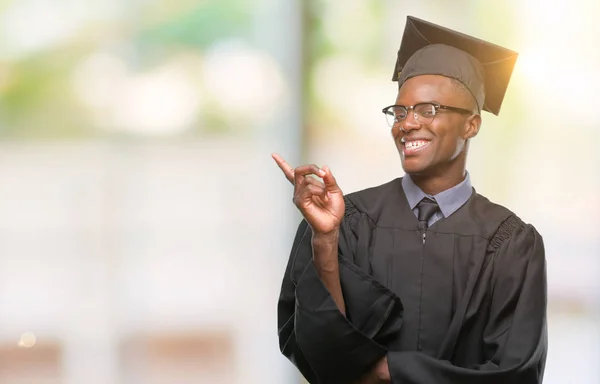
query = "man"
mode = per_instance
[{"x": 420, "y": 280}]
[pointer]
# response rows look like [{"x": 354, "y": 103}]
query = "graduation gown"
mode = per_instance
[{"x": 468, "y": 305}]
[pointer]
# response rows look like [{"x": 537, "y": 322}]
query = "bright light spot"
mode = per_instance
[
  {"x": 244, "y": 83},
  {"x": 163, "y": 101},
  {"x": 555, "y": 23},
  {"x": 543, "y": 15},
  {"x": 535, "y": 65},
  {"x": 27, "y": 340},
  {"x": 98, "y": 79},
  {"x": 558, "y": 82},
  {"x": 30, "y": 25}
]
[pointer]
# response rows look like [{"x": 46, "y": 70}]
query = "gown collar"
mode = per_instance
[{"x": 449, "y": 200}]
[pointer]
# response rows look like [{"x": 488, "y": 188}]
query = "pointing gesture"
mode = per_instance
[{"x": 321, "y": 203}]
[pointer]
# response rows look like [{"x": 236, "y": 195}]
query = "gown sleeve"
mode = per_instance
[
  {"x": 515, "y": 336},
  {"x": 325, "y": 345}
]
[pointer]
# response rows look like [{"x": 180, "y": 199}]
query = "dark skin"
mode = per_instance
[
  {"x": 435, "y": 168},
  {"x": 322, "y": 205},
  {"x": 442, "y": 164}
]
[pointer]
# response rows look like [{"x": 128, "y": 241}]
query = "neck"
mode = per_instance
[
  {"x": 441, "y": 178},
  {"x": 432, "y": 185}
]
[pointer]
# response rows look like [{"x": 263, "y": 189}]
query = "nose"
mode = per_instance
[{"x": 410, "y": 123}]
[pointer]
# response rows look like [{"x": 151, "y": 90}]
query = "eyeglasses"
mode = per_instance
[{"x": 424, "y": 113}]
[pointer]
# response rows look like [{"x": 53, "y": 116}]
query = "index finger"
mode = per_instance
[{"x": 287, "y": 169}]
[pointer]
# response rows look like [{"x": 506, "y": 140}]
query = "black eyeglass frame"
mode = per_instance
[{"x": 436, "y": 107}]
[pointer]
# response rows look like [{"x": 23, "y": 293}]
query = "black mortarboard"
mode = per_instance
[{"x": 429, "y": 49}]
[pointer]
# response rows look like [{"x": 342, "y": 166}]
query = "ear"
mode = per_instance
[{"x": 472, "y": 125}]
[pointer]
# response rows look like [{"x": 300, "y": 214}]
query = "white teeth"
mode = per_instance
[{"x": 415, "y": 144}]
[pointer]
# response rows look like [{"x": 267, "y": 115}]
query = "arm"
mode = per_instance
[
  {"x": 322, "y": 205},
  {"x": 514, "y": 339},
  {"x": 325, "y": 345},
  {"x": 325, "y": 256},
  {"x": 331, "y": 314}
]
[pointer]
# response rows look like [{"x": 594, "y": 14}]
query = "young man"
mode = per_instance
[{"x": 420, "y": 280}]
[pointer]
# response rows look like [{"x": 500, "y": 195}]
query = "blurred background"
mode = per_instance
[{"x": 144, "y": 228}]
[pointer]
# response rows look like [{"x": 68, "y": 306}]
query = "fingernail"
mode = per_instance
[
  {"x": 329, "y": 195},
  {"x": 321, "y": 172}
]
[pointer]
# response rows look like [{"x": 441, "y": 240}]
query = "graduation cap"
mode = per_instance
[{"x": 429, "y": 49}]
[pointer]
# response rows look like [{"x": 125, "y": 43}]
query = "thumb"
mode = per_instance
[{"x": 329, "y": 181}]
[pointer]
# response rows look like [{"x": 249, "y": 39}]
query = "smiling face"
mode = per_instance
[{"x": 439, "y": 147}]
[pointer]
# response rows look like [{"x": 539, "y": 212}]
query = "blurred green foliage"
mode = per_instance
[
  {"x": 36, "y": 97},
  {"x": 196, "y": 26}
]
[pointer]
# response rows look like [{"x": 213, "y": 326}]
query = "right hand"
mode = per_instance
[
  {"x": 380, "y": 374},
  {"x": 321, "y": 203}
]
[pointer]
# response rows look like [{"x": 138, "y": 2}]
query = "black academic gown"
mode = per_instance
[{"x": 466, "y": 306}]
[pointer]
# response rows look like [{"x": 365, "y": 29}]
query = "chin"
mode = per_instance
[
  {"x": 414, "y": 166},
  {"x": 417, "y": 164},
  {"x": 413, "y": 170}
]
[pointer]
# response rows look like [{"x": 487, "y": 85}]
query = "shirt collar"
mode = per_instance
[{"x": 449, "y": 200}]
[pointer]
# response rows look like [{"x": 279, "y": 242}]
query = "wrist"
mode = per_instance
[
  {"x": 383, "y": 371},
  {"x": 326, "y": 239},
  {"x": 325, "y": 251}
]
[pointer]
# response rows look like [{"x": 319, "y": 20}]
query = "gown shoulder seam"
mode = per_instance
[{"x": 504, "y": 231}]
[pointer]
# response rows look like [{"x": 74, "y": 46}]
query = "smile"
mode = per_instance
[
  {"x": 417, "y": 144},
  {"x": 414, "y": 147}
]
